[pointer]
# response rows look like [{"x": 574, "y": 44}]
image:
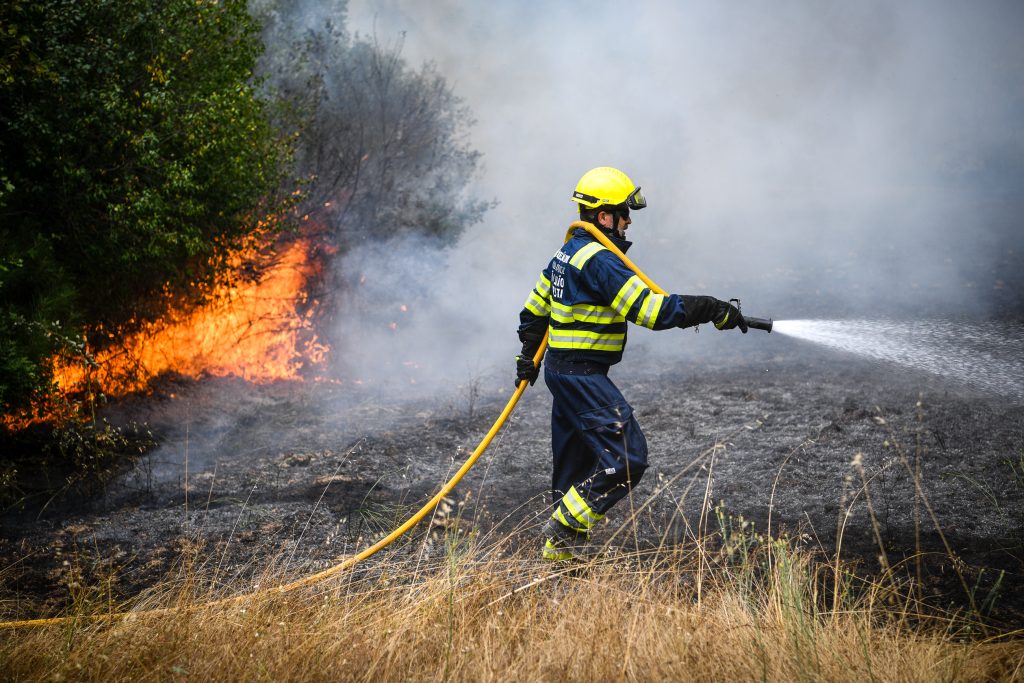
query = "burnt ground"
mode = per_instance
[{"x": 294, "y": 476}]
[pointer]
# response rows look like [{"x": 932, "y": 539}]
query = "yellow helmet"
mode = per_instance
[{"x": 607, "y": 185}]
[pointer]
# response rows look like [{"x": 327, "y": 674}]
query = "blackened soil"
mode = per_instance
[{"x": 796, "y": 441}]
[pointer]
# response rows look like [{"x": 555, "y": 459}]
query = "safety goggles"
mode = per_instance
[{"x": 635, "y": 200}]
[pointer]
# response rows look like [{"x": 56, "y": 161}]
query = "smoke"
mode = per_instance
[
  {"x": 830, "y": 159},
  {"x": 410, "y": 320}
]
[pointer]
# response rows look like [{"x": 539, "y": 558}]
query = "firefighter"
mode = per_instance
[{"x": 582, "y": 302}]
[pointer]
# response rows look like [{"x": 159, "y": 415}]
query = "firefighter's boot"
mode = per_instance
[{"x": 562, "y": 543}]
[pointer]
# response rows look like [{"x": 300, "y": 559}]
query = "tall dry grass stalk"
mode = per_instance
[{"x": 481, "y": 611}]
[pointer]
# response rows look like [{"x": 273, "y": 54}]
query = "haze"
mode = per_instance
[{"x": 814, "y": 159}]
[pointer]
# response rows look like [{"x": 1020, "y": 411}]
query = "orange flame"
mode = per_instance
[{"x": 254, "y": 330}]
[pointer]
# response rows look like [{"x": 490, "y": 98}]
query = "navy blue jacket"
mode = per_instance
[{"x": 586, "y": 295}]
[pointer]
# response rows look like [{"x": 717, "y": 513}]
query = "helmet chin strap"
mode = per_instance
[
  {"x": 610, "y": 232},
  {"x": 614, "y": 230}
]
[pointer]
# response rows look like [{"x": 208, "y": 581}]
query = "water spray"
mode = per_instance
[{"x": 989, "y": 357}]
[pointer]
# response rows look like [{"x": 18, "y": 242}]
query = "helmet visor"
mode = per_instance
[{"x": 636, "y": 200}]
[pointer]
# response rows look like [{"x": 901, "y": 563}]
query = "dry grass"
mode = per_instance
[{"x": 480, "y": 611}]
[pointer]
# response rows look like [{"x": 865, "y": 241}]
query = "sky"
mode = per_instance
[{"x": 815, "y": 159}]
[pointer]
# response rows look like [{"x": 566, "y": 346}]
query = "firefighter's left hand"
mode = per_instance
[
  {"x": 525, "y": 369},
  {"x": 728, "y": 316}
]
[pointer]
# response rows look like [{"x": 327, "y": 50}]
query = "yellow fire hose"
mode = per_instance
[{"x": 390, "y": 538}]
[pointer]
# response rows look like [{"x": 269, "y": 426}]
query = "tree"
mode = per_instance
[
  {"x": 385, "y": 146},
  {"x": 136, "y": 153}
]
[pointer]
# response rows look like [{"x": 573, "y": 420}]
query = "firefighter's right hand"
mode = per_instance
[
  {"x": 727, "y": 317},
  {"x": 708, "y": 309},
  {"x": 525, "y": 369}
]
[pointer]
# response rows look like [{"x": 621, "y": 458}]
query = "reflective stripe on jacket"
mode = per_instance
[{"x": 587, "y": 295}]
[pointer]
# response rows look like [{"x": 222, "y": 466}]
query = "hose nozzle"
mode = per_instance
[
  {"x": 759, "y": 323},
  {"x": 754, "y": 323}
]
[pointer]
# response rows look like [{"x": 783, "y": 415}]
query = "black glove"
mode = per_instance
[
  {"x": 531, "y": 338},
  {"x": 525, "y": 369},
  {"x": 728, "y": 316},
  {"x": 708, "y": 309}
]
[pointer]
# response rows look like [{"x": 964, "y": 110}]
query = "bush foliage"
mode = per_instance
[
  {"x": 385, "y": 150},
  {"x": 142, "y": 143},
  {"x": 135, "y": 153},
  {"x": 384, "y": 145}
]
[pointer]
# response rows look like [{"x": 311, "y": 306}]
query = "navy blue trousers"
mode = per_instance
[{"x": 596, "y": 443}]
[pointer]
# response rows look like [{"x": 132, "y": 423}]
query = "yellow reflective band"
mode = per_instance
[
  {"x": 596, "y": 314},
  {"x": 532, "y": 308},
  {"x": 628, "y": 293},
  {"x": 722, "y": 322},
  {"x": 579, "y": 509},
  {"x": 586, "y": 313},
  {"x": 552, "y": 552},
  {"x": 537, "y": 305},
  {"x": 650, "y": 307},
  {"x": 590, "y": 517},
  {"x": 580, "y": 258},
  {"x": 543, "y": 285},
  {"x": 583, "y": 339},
  {"x": 561, "y": 313},
  {"x": 561, "y": 519}
]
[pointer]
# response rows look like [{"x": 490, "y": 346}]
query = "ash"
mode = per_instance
[{"x": 282, "y": 480}]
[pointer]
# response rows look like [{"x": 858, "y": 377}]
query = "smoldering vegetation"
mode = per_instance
[
  {"x": 853, "y": 461},
  {"x": 383, "y": 148}
]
